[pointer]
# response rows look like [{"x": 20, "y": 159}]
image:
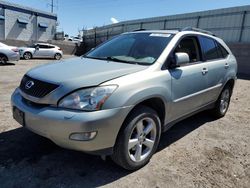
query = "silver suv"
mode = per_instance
[{"x": 118, "y": 98}]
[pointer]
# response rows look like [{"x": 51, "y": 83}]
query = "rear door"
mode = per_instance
[
  {"x": 215, "y": 58},
  {"x": 189, "y": 81}
]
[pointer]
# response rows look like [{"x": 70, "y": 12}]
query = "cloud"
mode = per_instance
[{"x": 113, "y": 20}]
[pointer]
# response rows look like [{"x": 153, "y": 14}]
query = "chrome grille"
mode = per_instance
[{"x": 36, "y": 88}]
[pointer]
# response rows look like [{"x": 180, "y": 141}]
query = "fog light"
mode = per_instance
[{"x": 83, "y": 136}]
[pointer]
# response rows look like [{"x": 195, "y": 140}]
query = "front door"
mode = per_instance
[
  {"x": 42, "y": 51},
  {"x": 189, "y": 81}
]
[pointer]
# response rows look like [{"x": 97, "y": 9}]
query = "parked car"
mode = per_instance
[
  {"x": 73, "y": 39},
  {"x": 118, "y": 98},
  {"x": 8, "y": 53},
  {"x": 41, "y": 50}
]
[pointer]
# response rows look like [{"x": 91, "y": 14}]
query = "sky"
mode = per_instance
[{"x": 74, "y": 15}]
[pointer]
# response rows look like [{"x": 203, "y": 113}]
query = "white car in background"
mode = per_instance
[
  {"x": 41, "y": 50},
  {"x": 8, "y": 53}
]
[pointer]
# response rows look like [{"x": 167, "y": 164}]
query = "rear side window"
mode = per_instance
[
  {"x": 209, "y": 48},
  {"x": 51, "y": 47},
  {"x": 222, "y": 50},
  {"x": 42, "y": 46}
]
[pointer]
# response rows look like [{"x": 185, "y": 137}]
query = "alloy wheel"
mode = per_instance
[
  {"x": 224, "y": 100},
  {"x": 142, "y": 139}
]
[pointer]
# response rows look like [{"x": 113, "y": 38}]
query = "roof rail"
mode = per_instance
[
  {"x": 198, "y": 30},
  {"x": 139, "y": 30}
]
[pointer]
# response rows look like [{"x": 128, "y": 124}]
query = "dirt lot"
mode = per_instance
[{"x": 197, "y": 152}]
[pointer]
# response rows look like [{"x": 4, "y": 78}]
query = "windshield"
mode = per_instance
[{"x": 137, "y": 48}]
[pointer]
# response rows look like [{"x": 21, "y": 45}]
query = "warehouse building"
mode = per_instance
[
  {"x": 231, "y": 24},
  {"x": 25, "y": 24}
]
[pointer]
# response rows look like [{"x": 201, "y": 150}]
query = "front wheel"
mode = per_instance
[
  {"x": 27, "y": 55},
  {"x": 58, "y": 56},
  {"x": 223, "y": 102},
  {"x": 138, "y": 139}
]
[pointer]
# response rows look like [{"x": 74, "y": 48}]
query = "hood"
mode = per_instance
[{"x": 82, "y": 72}]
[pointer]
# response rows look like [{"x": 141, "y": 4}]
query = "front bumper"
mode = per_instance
[{"x": 57, "y": 124}]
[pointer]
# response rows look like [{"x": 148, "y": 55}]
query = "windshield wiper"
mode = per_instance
[{"x": 111, "y": 58}]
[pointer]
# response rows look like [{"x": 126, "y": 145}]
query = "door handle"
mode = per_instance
[
  {"x": 204, "y": 71},
  {"x": 226, "y": 65}
]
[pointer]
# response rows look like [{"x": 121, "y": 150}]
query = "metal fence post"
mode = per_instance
[
  {"x": 123, "y": 28},
  {"x": 95, "y": 37},
  {"x": 242, "y": 25},
  {"x": 198, "y": 21},
  {"x": 165, "y": 24},
  {"x": 141, "y": 25}
]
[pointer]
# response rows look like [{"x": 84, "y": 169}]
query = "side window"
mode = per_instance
[
  {"x": 50, "y": 46},
  {"x": 190, "y": 46},
  {"x": 209, "y": 48},
  {"x": 223, "y": 51},
  {"x": 42, "y": 46}
]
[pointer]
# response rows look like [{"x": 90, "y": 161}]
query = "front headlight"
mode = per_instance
[{"x": 87, "y": 99}]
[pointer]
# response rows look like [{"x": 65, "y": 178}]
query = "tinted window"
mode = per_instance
[
  {"x": 224, "y": 52},
  {"x": 209, "y": 48},
  {"x": 50, "y": 47},
  {"x": 42, "y": 46}
]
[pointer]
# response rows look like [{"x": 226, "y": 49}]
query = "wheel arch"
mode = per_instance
[
  {"x": 156, "y": 103},
  {"x": 2, "y": 54}
]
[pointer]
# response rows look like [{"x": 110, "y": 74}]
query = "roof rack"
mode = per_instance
[
  {"x": 139, "y": 30},
  {"x": 198, "y": 30}
]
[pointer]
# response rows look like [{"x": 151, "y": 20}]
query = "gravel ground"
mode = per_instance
[{"x": 197, "y": 152}]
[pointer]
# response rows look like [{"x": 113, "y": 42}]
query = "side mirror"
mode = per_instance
[
  {"x": 37, "y": 47},
  {"x": 181, "y": 58}
]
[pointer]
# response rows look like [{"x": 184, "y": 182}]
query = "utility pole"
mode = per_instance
[{"x": 52, "y": 5}]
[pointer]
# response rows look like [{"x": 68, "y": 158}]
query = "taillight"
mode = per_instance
[
  {"x": 15, "y": 49},
  {"x": 60, "y": 49}
]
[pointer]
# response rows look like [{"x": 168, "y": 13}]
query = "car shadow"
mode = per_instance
[
  {"x": 183, "y": 128},
  {"x": 24, "y": 154},
  {"x": 7, "y": 64}
]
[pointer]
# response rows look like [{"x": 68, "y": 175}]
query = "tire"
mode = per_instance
[
  {"x": 3, "y": 59},
  {"x": 27, "y": 55},
  {"x": 58, "y": 56},
  {"x": 142, "y": 120},
  {"x": 222, "y": 103}
]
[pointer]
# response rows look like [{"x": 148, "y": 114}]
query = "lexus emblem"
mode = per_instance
[{"x": 29, "y": 84}]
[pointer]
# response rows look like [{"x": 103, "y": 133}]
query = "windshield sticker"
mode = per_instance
[{"x": 160, "y": 35}]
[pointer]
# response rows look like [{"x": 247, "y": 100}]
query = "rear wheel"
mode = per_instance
[
  {"x": 58, "y": 56},
  {"x": 3, "y": 59},
  {"x": 138, "y": 139},
  {"x": 223, "y": 102},
  {"x": 27, "y": 55}
]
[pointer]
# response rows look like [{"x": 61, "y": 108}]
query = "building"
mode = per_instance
[
  {"x": 231, "y": 24},
  {"x": 25, "y": 24}
]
